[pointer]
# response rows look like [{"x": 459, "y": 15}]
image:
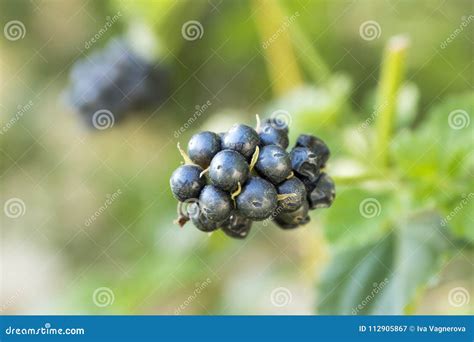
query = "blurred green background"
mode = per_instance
[{"x": 399, "y": 237}]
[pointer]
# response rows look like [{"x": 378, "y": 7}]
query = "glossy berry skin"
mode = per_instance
[
  {"x": 202, "y": 147},
  {"x": 305, "y": 163},
  {"x": 292, "y": 186},
  {"x": 185, "y": 182},
  {"x": 227, "y": 169},
  {"x": 322, "y": 193},
  {"x": 270, "y": 135},
  {"x": 237, "y": 226},
  {"x": 257, "y": 199},
  {"x": 273, "y": 163},
  {"x": 293, "y": 219},
  {"x": 316, "y": 145},
  {"x": 282, "y": 126},
  {"x": 200, "y": 220},
  {"x": 214, "y": 203},
  {"x": 241, "y": 138}
]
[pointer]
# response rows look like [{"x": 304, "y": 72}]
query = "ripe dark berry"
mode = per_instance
[
  {"x": 200, "y": 220},
  {"x": 214, "y": 203},
  {"x": 322, "y": 193},
  {"x": 295, "y": 187},
  {"x": 227, "y": 169},
  {"x": 293, "y": 219},
  {"x": 270, "y": 135},
  {"x": 276, "y": 123},
  {"x": 114, "y": 79},
  {"x": 316, "y": 145},
  {"x": 202, "y": 147},
  {"x": 305, "y": 163},
  {"x": 237, "y": 226},
  {"x": 273, "y": 163},
  {"x": 241, "y": 138},
  {"x": 257, "y": 199},
  {"x": 185, "y": 182}
]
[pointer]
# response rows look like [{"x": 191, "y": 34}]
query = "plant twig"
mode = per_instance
[
  {"x": 309, "y": 55},
  {"x": 281, "y": 60},
  {"x": 390, "y": 79}
]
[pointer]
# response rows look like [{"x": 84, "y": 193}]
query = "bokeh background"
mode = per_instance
[{"x": 399, "y": 237}]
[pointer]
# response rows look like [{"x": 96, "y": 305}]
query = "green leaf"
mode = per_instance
[
  {"x": 442, "y": 144},
  {"x": 358, "y": 216},
  {"x": 437, "y": 159},
  {"x": 383, "y": 277}
]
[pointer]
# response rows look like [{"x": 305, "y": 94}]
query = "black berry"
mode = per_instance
[
  {"x": 114, "y": 79},
  {"x": 200, "y": 220},
  {"x": 296, "y": 189},
  {"x": 273, "y": 163},
  {"x": 305, "y": 163},
  {"x": 270, "y": 135},
  {"x": 214, "y": 203},
  {"x": 186, "y": 182},
  {"x": 316, "y": 145},
  {"x": 257, "y": 199},
  {"x": 202, "y": 147},
  {"x": 241, "y": 138},
  {"x": 227, "y": 169},
  {"x": 293, "y": 219},
  {"x": 321, "y": 194},
  {"x": 238, "y": 226}
]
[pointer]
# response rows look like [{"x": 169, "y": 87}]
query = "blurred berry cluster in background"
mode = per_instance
[{"x": 96, "y": 95}]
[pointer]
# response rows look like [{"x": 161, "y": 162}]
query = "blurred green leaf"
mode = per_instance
[
  {"x": 358, "y": 216},
  {"x": 437, "y": 159},
  {"x": 309, "y": 108},
  {"x": 383, "y": 277}
]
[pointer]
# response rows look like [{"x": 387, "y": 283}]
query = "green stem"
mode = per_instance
[
  {"x": 281, "y": 60},
  {"x": 390, "y": 79},
  {"x": 308, "y": 54}
]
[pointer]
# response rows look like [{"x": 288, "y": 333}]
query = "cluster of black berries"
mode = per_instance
[
  {"x": 114, "y": 79},
  {"x": 246, "y": 175}
]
